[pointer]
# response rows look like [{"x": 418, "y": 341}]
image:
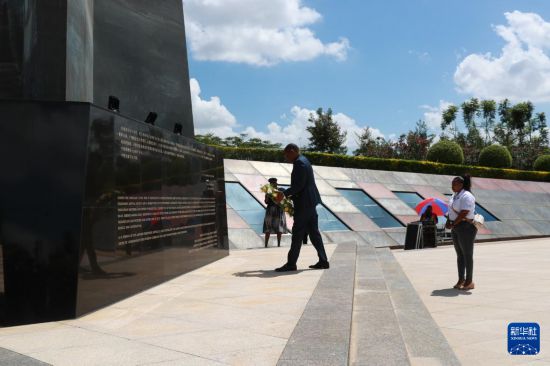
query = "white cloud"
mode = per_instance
[
  {"x": 432, "y": 115},
  {"x": 521, "y": 72},
  {"x": 295, "y": 130},
  {"x": 210, "y": 115},
  {"x": 422, "y": 56},
  {"x": 256, "y": 32}
]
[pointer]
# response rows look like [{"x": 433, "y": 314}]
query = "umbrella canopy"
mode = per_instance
[{"x": 439, "y": 207}]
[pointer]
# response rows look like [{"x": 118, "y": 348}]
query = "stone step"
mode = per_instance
[
  {"x": 376, "y": 337},
  {"x": 322, "y": 335}
]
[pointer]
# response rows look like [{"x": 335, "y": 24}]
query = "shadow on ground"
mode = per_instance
[
  {"x": 450, "y": 292},
  {"x": 261, "y": 273}
]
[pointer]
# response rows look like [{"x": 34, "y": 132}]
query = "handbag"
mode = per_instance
[{"x": 479, "y": 221}]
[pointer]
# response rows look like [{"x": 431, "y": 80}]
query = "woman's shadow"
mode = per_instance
[
  {"x": 262, "y": 273},
  {"x": 449, "y": 292}
]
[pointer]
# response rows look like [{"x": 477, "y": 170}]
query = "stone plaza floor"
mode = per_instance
[
  {"x": 512, "y": 285},
  {"x": 237, "y": 311}
]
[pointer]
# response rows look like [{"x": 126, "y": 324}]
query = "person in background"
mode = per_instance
[
  {"x": 275, "y": 219},
  {"x": 461, "y": 215},
  {"x": 428, "y": 215}
]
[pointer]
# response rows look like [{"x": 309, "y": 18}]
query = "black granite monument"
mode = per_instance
[{"x": 96, "y": 205}]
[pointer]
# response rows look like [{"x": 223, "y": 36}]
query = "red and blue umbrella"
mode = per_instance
[{"x": 439, "y": 207}]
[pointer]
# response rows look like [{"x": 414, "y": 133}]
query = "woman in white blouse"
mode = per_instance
[{"x": 462, "y": 206}]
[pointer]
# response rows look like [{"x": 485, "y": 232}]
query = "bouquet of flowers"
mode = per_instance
[{"x": 286, "y": 204}]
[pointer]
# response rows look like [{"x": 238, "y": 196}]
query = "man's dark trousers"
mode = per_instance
[{"x": 306, "y": 223}]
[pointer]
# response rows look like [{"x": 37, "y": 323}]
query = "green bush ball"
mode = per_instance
[
  {"x": 495, "y": 156},
  {"x": 542, "y": 163},
  {"x": 447, "y": 152}
]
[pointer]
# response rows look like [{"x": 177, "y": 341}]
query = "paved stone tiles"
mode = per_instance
[
  {"x": 512, "y": 281},
  {"x": 236, "y": 311},
  {"x": 322, "y": 335}
]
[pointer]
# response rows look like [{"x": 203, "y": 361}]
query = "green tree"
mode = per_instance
[
  {"x": 449, "y": 117},
  {"x": 326, "y": 135},
  {"x": 488, "y": 111},
  {"x": 209, "y": 139},
  {"x": 503, "y": 133},
  {"x": 414, "y": 145}
]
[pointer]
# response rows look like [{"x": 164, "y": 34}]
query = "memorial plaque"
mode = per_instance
[{"x": 96, "y": 207}]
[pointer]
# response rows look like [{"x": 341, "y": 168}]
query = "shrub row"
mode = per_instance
[{"x": 361, "y": 162}]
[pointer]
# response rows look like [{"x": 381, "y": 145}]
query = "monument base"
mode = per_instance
[{"x": 96, "y": 207}]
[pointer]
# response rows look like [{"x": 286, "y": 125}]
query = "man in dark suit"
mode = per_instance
[{"x": 305, "y": 196}]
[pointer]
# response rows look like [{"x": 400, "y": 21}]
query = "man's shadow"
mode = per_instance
[
  {"x": 450, "y": 292},
  {"x": 262, "y": 273}
]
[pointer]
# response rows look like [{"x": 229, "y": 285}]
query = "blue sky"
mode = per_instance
[{"x": 261, "y": 66}]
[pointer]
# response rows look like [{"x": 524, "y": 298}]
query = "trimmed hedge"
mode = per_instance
[
  {"x": 542, "y": 163},
  {"x": 495, "y": 156},
  {"x": 447, "y": 152},
  {"x": 361, "y": 162}
]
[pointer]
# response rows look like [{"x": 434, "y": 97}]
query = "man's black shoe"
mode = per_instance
[
  {"x": 320, "y": 265},
  {"x": 286, "y": 268}
]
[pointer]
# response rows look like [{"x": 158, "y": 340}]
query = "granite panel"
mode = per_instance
[
  {"x": 327, "y": 172},
  {"x": 325, "y": 189},
  {"x": 411, "y": 178},
  {"x": 358, "y": 221},
  {"x": 239, "y": 167},
  {"x": 501, "y": 229},
  {"x": 406, "y": 219},
  {"x": 484, "y": 183},
  {"x": 400, "y": 187},
  {"x": 508, "y": 185},
  {"x": 270, "y": 169},
  {"x": 543, "y": 212},
  {"x": 342, "y": 184},
  {"x": 361, "y": 175},
  {"x": 339, "y": 204},
  {"x": 230, "y": 177},
  {"x": 398, "y": 236},
  {"x": 428, "y": 192},
  {"x": 396, "y": 206},
  {"x": 252, "y": 183},
  {"x": 545, "y": 186},
  {"x": 503, "y": 212},
  {"x": 378, "y": 239},
  {"x": 387, "y": 177},
  {"x": 521, "y": 227},
  {"x": 234, "y": 221},
  {"x": 542, "y": 227},
  {"x": 377, "y": 190},
  {"x": 532, "y": 187},
  {"x": 244, "y": 239},
  {"x": 438, "y": 180}
]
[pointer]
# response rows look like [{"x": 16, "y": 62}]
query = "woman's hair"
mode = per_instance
[
  {"x": 428, "y": 210},
  {"x": 466, "y": 181}
]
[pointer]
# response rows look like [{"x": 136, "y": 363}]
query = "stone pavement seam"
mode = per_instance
[
  {"x": 322, "y": 335},
  {"x": 423, "y": 337}
]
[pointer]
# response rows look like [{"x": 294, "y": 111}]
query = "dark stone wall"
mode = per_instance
[
  {"x": 87, "y": 50},
  {"x": 96, "y": 207},
  {"x": 140, "y": 56}
]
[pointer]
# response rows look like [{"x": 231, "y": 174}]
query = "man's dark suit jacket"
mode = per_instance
[{"x": 303, "y": 190}]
